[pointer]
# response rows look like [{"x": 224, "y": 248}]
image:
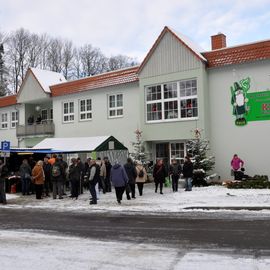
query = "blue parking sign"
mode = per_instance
[{"x": 5, "y": 146}]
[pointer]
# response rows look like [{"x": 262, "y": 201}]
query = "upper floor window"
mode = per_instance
[
  {"x": 116, "y": 108},
  {"x": 14, "y": 119},
  {"x": 4, "y": 121},
  {"x": 172, "y": 101},
  {"x": 68, "y": 111},
  {"x": 85, "y": 109}
]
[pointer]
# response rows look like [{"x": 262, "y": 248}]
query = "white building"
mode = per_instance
[{"x": 176, "y": 89}]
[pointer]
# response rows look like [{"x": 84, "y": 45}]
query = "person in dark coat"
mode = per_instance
[
  {"x": 159, "y": 174},
  {"x": 64, "y": 165},
  {"x": 188, "y": 173},
  {"x": 81, "y": 168},
  {"x": 93, "y": 178},
  {"x": 25, "y": 172},
  {"x": 47, "y": 167},
  {"x": 57, "y": 177},
  {"x": 107, "y": 181},
  {"x": 3, "y": 174},
  {"x": 132, "y": 174},
  {"x": 74, "y": 173},
  {"x": 175, "y": 171},
  {"x": 119, "y": 180}
]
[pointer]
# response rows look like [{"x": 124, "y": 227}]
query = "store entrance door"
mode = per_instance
[{"x": 163, "y": 152}]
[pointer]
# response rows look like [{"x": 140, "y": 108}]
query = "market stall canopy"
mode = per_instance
[{"x": 80, "y": 144}]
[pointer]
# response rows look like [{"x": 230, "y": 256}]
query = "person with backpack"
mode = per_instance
[
  {"x": 141, "y": 176},
  {"x": 132, "y": 174},
  {"x": 175, "y": 171},
  {"x": 57, "y": 177}
]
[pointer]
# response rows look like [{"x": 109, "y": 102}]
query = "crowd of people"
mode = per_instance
[{"x": 53, "y": 175}]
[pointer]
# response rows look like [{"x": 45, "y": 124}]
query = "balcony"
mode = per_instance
[{"x": 45, "y": 127}]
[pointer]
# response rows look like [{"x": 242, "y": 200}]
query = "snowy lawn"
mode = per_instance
[
  {"x": 213, "y": 196},
  {"x": 33, "y": 250}
]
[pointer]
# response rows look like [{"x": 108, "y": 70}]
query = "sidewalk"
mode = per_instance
[{"x": 214, "y": 198}]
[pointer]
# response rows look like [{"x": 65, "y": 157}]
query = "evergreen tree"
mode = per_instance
[
  {"x": 198, "y": 150},
  {"x": 3, "y": 83},
  {"x": 138, "y": 153}
]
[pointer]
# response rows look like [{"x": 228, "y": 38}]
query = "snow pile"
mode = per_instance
[
  {"x": 213, "y": 196},
  {"x": 32, "y": 250}
]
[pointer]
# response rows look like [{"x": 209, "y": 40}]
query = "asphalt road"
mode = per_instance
[{"x": 181, "y": 231}]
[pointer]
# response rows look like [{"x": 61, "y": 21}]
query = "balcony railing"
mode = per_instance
[{"x": 45, "y": 127}]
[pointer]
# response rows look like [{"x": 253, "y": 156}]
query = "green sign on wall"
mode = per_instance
[
  {"x": 258, "y": 106},
  {"x": 249, "y": 106}
]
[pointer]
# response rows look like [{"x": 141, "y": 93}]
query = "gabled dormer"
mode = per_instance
[
  {"x": 172, "y": 52},
  {"x": 35, "y": 86}
]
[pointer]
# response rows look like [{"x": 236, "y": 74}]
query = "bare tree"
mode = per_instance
[
  {"x": 120, "y": 61},
  {"x": 68, "y": 53},
  {"x": 34, "y": 51},
  {"x": 18, "y": 44},
  {"x": 76, "y": 64},
  {"x": 92, "y": 59},
  {"x": 54, "y": 55}
]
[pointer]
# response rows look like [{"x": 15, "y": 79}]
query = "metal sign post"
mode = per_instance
[{"x": 5, "y": 150}]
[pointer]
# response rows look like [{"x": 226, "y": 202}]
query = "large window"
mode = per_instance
[
  {"x": 116, "y": 108},
  {"x": 44, "y": 115},
  {"x": 14, "y": 119},
  {"x": 4, "y": 121},
  {"x": 85, "y": 109},
  {"x": 177, "y": 151},
  {"x": 68, "y": 111},
  {"x": 172, "y": 101}
]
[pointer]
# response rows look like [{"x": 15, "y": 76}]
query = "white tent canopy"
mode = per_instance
[{"x": 78, "y": 144}]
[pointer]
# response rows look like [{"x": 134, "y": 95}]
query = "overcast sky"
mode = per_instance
[{"x": 130, "y": 27}]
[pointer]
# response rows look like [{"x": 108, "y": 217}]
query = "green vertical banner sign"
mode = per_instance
[{"x": 258, "y": 106}]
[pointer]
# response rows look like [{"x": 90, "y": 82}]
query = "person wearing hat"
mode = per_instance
[
  {"x": 38, "y": 178},
  {"x": 141, "y": 176}
]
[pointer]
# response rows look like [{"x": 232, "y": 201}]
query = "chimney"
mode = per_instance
[{"x": 218, "y": 41}]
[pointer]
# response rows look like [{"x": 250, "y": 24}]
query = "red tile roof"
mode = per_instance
[
  {"x": 103, "y": 80},
  {"x": 8, "y": 101},
  {"x": 238, "y": 54}
]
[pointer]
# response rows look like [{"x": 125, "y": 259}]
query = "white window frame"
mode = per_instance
[
  {"x": 174, "y": 157},
  {"x": 163, "y": 100},
  {"x": 44, "y": 110},
  {"x": 115, "y": 108},
  {"x": 4, "y": 124},
  {"x": 69, "y": 114},
  {"x": 86, "y": 112},
  {"x": 14, "y": 123}
]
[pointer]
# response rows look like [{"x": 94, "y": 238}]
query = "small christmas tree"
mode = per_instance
[
  {"x": 138, "y": 153},
  {"x": 198, "y": 149}
]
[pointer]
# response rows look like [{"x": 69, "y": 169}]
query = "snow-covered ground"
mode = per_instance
[
  {"x": 34, "y": 250},
  {"x": 213, "y": 196}
]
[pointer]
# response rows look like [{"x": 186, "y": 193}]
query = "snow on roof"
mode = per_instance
[
  {"x": 47, "y": 78},
  {"x": 191, "y": 44},
  {"x": 78, "y": 144}
]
